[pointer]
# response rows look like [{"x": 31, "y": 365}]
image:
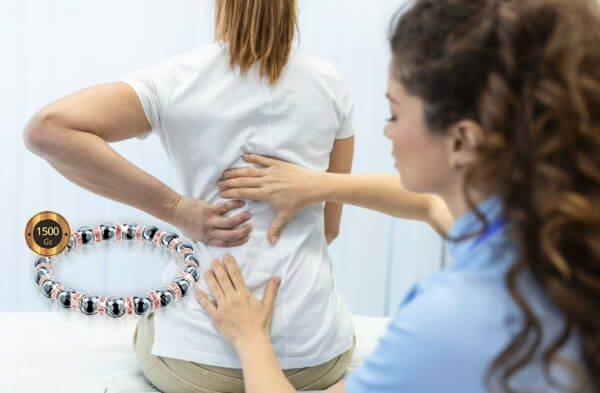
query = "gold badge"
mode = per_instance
[{"x": 47, "y": 233}]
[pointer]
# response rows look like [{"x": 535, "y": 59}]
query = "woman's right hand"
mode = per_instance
[
  {"x": 205, "y": 222},
  {"x": 286, "y": 187}
]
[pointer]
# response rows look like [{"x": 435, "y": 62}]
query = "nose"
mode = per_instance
[{"x": 386, "y": 131}]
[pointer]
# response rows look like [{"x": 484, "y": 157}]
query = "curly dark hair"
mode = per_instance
[{"x": 529, "y": 73}]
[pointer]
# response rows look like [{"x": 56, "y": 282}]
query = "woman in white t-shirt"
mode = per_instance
[{"x": 251, "y": 91}]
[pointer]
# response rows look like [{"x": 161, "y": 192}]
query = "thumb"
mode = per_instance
[
  {"x": 270, "y": 293},
  {"x": 277, "y": 226}
]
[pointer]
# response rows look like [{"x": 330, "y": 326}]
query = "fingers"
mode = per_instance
[
  {"x": 222, "y": 278},
  {"x": 268, "y": 299},
  {"x": 241, "y": 182},
  {"x": 206, "y": 304},
  {"x": 231, "y": 235},
  {"x": 244, "y": 193},
  {"x": 234, "y": 273},
  {"x": 277, "y": 226},
  {"x": 230, "y": 222},
  {"x": 213, "y": 285},
  {"x": 243, "y": 172},
  {"x": 223, "y": 208},
  {"x": 261, "y": 160},
  {"x": 223, "y": 243}
]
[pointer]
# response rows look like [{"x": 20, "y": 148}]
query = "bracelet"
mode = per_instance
[{"x": 115, "y": 306}]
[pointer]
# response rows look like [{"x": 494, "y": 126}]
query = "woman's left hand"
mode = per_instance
[{"x": 238, "y": 315}]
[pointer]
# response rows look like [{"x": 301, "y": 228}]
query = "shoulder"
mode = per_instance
[
  {"x": 315, "y": 68},
  {"x": 453, "y": 327}
]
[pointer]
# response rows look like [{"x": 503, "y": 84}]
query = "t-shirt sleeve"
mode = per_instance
[
  {"x": 152, "y": 85},
  {"x": 346, "y": 108}
]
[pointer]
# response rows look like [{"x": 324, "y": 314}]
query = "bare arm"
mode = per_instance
[
  {"x": 340, "y": 161},
  {"x": 385, "y": 194},
  {"x": 73, "y": 133},
  {"x": 289, "y": 188}
]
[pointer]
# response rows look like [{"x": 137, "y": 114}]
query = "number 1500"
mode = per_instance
[{"x": 48, "y": 231}]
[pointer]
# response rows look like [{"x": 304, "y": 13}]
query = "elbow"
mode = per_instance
[
  {"x": 37, "y": 133},
  {"x": 331, "y": 236}
]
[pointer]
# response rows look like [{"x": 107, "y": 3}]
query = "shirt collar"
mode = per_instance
[{"x": 467, "y": 224}]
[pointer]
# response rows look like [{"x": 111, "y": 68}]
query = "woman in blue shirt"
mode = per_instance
[{"x": 496, "y": 108}]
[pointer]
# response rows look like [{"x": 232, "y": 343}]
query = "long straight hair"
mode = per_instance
[{"x": 257, "y": 31}]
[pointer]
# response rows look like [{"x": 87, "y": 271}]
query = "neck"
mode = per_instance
[{"x": 457, "y": 202}]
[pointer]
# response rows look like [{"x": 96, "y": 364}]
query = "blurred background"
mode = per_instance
[{"x": 51, "y": 49}]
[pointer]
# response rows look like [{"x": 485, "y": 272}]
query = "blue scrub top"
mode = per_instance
[{"x": 453, "y": 323}]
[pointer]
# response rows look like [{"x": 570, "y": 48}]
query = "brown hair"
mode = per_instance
[
  {"x": 529, "y": 73},
  {"x": 257, "y": 31}
]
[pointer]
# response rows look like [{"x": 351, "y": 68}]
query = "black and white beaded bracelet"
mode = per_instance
[{"x": 115, "y": 306}]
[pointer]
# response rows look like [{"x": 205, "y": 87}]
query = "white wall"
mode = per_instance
[{"x": 51, "y": 49}]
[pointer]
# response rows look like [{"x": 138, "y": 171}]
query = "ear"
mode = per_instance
[{"x": 464, "y": 138}]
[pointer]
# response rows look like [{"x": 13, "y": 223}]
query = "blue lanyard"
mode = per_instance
[{"x": 495, "y": 227}]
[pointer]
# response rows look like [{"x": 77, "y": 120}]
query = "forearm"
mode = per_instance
[
  {"x": 383, "y": 193},
  {"x": 88, "y": 161},
  {"x": 262, "y": 373}
]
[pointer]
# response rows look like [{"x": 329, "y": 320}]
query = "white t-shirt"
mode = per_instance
[{"x": 206, "y": 116}]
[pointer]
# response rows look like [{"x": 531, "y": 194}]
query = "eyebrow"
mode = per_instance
[{"x": 390, "y": 98}]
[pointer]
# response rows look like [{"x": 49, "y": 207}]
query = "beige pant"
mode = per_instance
[{"x": 179, "y": 376}]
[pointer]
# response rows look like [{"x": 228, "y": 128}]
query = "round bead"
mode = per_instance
[
  {"x": 184, "y": 285},
  {"x": 167, "y": 239},
  {"x": 47, "y": 287},
  {"x": 193, "y": 271},
  {"x": 166, "y": 296},
  {"x": 107, "y": 231},
  {"x": 43, "y": 260},
  {"x": 149, "y": 233},
  {"x": 40, "y": 273},
  {"x": 72, "y": 243},
  {"x": 65, "y": 298},
  {"x": 142, "y": 305},
  {"x": 86, "y": 235},
  {"x": 191, "y": 258},
  {"x": 89, "y": 304},
  {"x": 115, "y": 306},
  {"x": 128, "y": 231},
  {"x": 182, "y": 246}
]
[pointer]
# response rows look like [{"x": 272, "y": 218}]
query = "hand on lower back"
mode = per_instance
[
  {"x": 286, "y": 187},
  {"x": 205, "y": 222}
]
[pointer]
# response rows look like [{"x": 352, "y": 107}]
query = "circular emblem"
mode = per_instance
[{"x": 47, "y": 233}]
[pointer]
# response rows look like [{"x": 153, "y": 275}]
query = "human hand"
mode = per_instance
[
  {"x": 205, "y": 222},
  {"x": 286, "y": 187},
  {"x": 238, "y": 315}
]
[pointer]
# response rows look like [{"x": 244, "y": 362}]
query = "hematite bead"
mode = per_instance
[
  {"x": 193, "y": 271},
  {"x": 184, "y": 285},
  {"x": 149, "y": 233},
  {"x": 65, "y": 297},
  {"x": 72, "y": 243},
  {"x": 47, "y": 287},
  {"x": 40, "y": 273},
  {"x": 166, "y": 296},
  {"x": 191, "y": 258},
  {"x": 115, "y": 306},
  {"x": 128, "y": 231},
  {"x": 89, "y": 304},
  {"x": 86, "y": 234},
  {"x": 142, "y": 305},
  {"x": 42, "y": 260},
  {"x": 107, "y": 231},
  {"x": 181, "y": 246},
  {"x": 166, "y": 239}
]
